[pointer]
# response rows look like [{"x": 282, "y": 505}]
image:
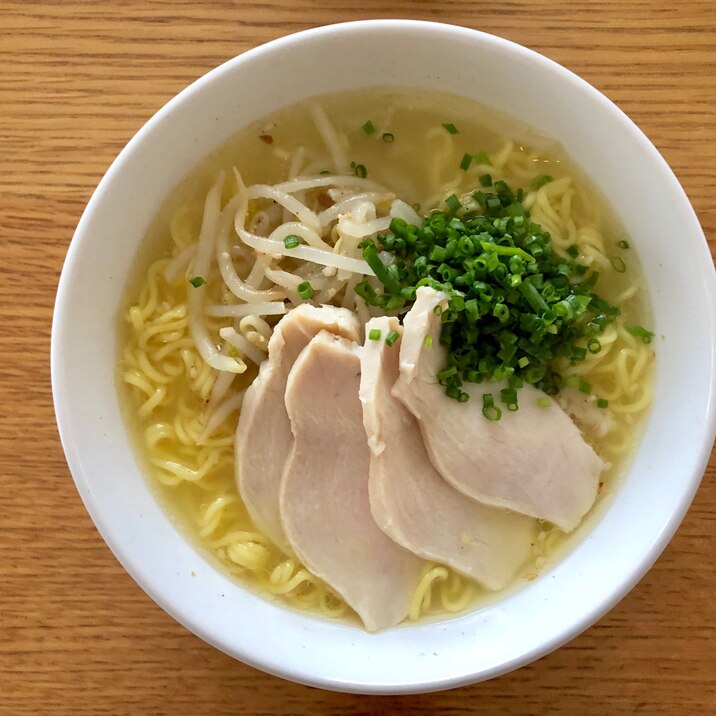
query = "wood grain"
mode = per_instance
[{"x": 77, "y": 79}]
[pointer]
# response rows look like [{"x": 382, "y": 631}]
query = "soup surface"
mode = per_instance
[{"x": 425, "y": 149}]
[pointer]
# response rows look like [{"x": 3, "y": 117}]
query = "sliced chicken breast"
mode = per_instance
[
  {"x": 534, "y": 460},
  {"x": 324, "y": 491},
  {"x": 263, "y": 435},
  {"x": 409, "y": 499}
]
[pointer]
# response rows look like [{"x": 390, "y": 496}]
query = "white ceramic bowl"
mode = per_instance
[{"x": 666, "y": 470}]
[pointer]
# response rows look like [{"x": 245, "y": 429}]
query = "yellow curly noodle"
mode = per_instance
[
  {"x": 170, "y": 385},
  {"x": 440, "y": 590},
  {"x": 620, "y": 372}
]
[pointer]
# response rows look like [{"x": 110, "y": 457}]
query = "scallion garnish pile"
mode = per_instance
[{"x": 514, "y": 304}]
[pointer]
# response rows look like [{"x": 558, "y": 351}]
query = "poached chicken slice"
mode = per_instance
[
  {"x": 534, "y": 460},
  {"x": 409, "y": 499},
  {"x": 263, "y": 434},
  {"x": 324, "y": 490}
]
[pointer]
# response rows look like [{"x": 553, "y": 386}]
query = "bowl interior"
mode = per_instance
[{"x": 669, "y": 462}]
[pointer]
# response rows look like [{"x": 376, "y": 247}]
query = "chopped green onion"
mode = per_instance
[
  {"x": 465, "y": 162},
  {"x": 392, "y": 337},
  {"x": 623, "y": 244},
  {"x": 305, "y": 290},
  {"x": 291, "y": 241},
  {"x": 451, "y": 128},
  {"x": 382, "y": 273},
  {"x": 368, "y": 128},
  {"x": 463, "y": 397},
  {"x": 641, "y": 332},
  {"x": 452, "y": 391},
  {"x": 447, "y": 373},
  {"x": 544, "y": 402},
  {"x": 388, "y": 137},
  {"x": 505, "y": 250},
  {"x": 501, "y": 312},
  {"x": 491, "y": 411},
  {"x": 482, "y": 158},
  {"x": 367, "y": 293},
  {"x": 438, "y": 254},
  {"x": 532, "y": 296},
  {"x": 416, "y": 207},
  {"x": 602, "y": 403},
  {"x": 585, "y": 387},
  {"x": 540, "y": 181},
  {"x": 618, "y": 264},
  {"x": 517, "y": 307},
  {"x": 509, "y": 397},
  {"x": 428, "y": 342},
  {"x": 453, "y": 203},
  {"x": 373, "y": 334},
  {"x": 197, "y": 281},
  {"x": 359, "y": 170}
]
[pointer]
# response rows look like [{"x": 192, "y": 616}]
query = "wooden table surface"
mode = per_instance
[{"x": 77, "y": 79}]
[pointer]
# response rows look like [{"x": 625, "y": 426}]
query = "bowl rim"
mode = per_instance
[{"x": 127, "y": 559}]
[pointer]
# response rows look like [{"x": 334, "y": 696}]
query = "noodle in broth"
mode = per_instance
[{"x": 188, "y": 356}]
